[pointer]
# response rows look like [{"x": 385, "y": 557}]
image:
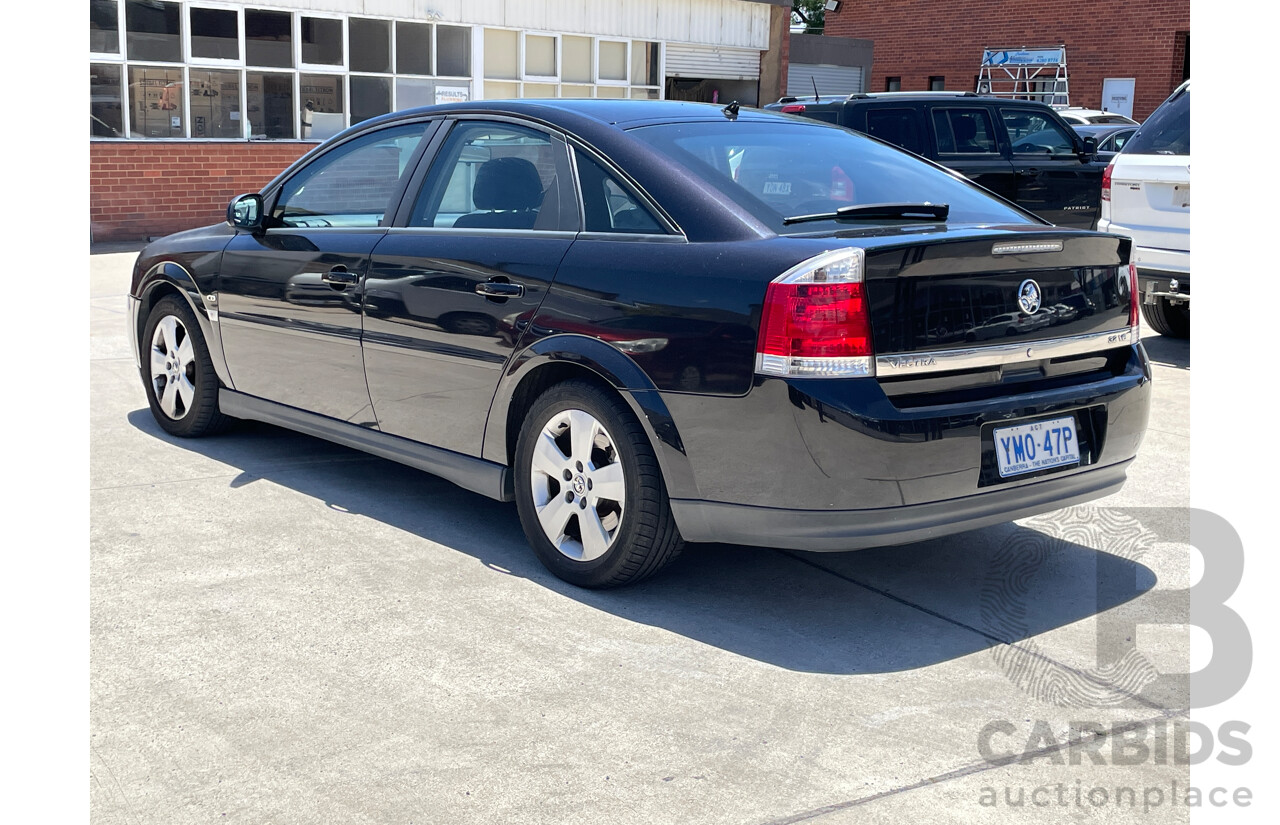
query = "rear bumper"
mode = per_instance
[
  {"x": 827, "y": 530},
  {"x": 1177, "y": 261}
]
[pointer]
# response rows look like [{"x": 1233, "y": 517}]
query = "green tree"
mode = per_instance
[{"x": 810, "y": 14}]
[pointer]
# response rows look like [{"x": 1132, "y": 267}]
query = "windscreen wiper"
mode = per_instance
[{"x": 905, "y": 211}]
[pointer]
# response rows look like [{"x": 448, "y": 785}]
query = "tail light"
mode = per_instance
[
  {"x": 793, "y": 108},
  {"x": 1134, "y": 324},
  {"x": 816, "y": 322},
  {"x": 1106, "y": 181}
]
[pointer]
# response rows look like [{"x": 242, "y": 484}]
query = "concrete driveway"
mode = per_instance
[{"x": 288, "y": 631}]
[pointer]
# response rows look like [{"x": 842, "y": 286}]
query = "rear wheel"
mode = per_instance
[
  {"x": 590, "y": 495},
  {"x": 182, "y": 387},
  {"x": 1167, "y": 319}
]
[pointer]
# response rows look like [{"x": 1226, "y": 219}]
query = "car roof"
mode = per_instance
[
  {"x": 1101, "y": 128},
  {"x": 622, "y": 113}
]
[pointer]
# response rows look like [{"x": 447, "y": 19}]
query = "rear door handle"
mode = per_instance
[
  {"x": 499, "y": 289},
  {"x": 340, "y": 276}
]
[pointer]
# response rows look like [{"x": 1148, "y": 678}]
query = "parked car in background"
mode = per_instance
[
  {"x": 1111, "y": 138},
  {"x": 1080, "y": 115},
  {"x": 1020, "y": 150},
  {"x": 645, "y": 324},
  {"x": 1146, "y": 195}
]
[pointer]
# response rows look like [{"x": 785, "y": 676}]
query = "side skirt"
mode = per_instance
[{"x": 474, "y": 474}]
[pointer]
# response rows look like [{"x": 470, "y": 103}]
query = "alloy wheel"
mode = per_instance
[{"x": 173, "y": 367}]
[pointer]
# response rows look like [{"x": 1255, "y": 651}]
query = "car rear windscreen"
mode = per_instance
[
  {"x": 786, "y": 169},
  {"x": 1167, "y": 131}
]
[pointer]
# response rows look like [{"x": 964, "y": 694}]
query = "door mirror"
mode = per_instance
[
  {"x": 245, "y": 212},
  {"x": 1090, "y": 151}
]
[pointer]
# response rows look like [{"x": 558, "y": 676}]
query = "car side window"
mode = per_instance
[
  {"x": 607, "y": 205},
  {"x": 1119, "y": 139},
  {"x": 498, "y": 176},
  {"x": 351, "y": 185},
  {"x": 897, "y": 126},
  {"x": 964, "y": 132},
  {"x": 1033, "y": 133}
]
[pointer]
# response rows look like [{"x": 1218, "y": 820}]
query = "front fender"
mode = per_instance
[
  {"x": 618, "y": 371},
  {"x": 169, "y": 276}
]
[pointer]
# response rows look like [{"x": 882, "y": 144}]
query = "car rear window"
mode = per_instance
[
  {"x": 783, "y": 169},
  {"x": 1167, "y": 131}
]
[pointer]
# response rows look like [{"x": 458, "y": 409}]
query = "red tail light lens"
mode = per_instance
[
  {"x": 1106, "y": 182},
  {"x": 793, "y": 108},
  {"x": 816, "y": 322},
  {"x": 1133, "y": 300}
]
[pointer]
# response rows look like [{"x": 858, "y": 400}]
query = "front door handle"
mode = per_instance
[
  {"x": 499, "y": 289},
  {"x": 340, "y": 276}
]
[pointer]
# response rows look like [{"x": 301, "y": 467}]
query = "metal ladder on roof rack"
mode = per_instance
[{"x": 1025, "y": 74}]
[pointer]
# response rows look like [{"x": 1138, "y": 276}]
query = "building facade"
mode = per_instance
[
  {"x": 939, "y": 44},
  {"x": 195, "y": 101}
]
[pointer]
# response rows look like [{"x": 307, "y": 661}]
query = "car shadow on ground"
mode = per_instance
[
  {"x": 1167, "y": 351},
  {"x": 873, "y": 611}
]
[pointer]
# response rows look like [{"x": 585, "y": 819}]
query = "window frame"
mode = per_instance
[
  {"x": 319, "y": 68},
  {"x": 986, "y": 111},
  {"x": 1068, "y": 132},
  {"x": 183, "y": 34},
  {"x": 525, "y": 77},
  {"x": 626, "y": 61},
  {"x": 212, "y": 62},
  {"x": 117, "y": 56}
]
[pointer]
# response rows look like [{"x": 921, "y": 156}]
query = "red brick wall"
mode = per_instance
[
  {"x": 142, "y": 189},
  {"x": 914, "y": 40}
]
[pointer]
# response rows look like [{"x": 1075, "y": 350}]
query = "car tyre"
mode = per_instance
[
  {"x": 182, "y": 387},
  {"x": 1167, "y": 319},
  {"x": 589, "y": 491}
]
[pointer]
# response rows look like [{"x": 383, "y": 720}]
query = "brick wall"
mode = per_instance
[
  {"x": 914, "y": 40},
  {"x": 142, "y": 189}
]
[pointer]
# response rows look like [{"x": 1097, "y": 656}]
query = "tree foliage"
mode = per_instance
[{"x": 810, "y": 14}]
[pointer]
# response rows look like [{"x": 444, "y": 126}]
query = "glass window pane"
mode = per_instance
[
  {"x": 106, "y": 115},
  {"x": 413, "y": 48},
  {"x": 370, "y": 97},
  {"x": 322, "y": 41},
  {"x": 215, "y": 33},
  {"x": 575, "y": 62},
  {"x": 154, "y": 30},
  {"x": 501, "y": 53},
  {"x": 104, "y": 26},
  {"x": 575, "y": 91},
  {"x": 613, "y": 60},
  {"x": 611, "y": 91},
  {"x": 214, "y": 100},
  {"x": 322, "y": 109},
  {"x": 454, "y": 51},
  {"x": 644, "y": 63},
  {"x": 963, "y": 131},
  {"x": 539, "y": 55},
  {"x": 644, "y": 94},
  {"x": 608, "y": 206},
  {"x": 412, "y": 92},
  {"x": 500, "y": 90},
  {"x": 268, "y": 39},
  {"x": 155, "y": 101},
  {"x": 352, "y": 185},
  {"x": 269, "y": 97},
  {"x": 539, "y": 90},
  {"x": 1033, "y": 133},
  {"x": 369, "y": 45}
]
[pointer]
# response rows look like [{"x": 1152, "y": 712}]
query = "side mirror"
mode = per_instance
[
  {"x": 1090, "y": 148},
  {"x": 245, "y": 212}
]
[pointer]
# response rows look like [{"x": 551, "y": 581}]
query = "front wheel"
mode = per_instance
[
  {"x": 589, "y": 491},
  {"x": 1167, "y": 319},
  {"x": 182, "y": 387}
]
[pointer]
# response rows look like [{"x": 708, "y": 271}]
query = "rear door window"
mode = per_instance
[
  {"x": 964, "y": 132},
  {"x": 900, "y": 127},
  {"x": 607, "y": 205}
]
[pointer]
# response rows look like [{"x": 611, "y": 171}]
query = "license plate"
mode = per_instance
[{"x": 1039, "y": 445}]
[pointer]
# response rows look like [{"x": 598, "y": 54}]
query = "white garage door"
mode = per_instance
[
  {"x": 720, "y": 62},
  {"x": 831, "y": 80}
]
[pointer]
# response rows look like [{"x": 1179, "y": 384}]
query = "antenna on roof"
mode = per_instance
[
  {"x": 731, "y": 111},
  {"x": 814, "y": 81}
]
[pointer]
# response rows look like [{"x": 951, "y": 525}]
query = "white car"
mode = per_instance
[
  {"x": 1079, "y": 116},
  {"x": 1146, "y": 194}
]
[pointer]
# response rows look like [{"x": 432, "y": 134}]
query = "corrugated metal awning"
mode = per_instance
[
  {"x": 720, "y": 62},
  {"x": 831, "y": 80}
]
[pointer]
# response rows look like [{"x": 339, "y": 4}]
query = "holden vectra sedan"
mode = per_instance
[{"x": 653, "y": 322}]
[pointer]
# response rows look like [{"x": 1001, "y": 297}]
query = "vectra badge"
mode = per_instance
[{"x": 1029, "y": 297}]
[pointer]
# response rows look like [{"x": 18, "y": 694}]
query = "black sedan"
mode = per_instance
[{"x": 654, "y": 322}]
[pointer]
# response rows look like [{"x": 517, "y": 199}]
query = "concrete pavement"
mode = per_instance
[{"x": 288, "y": 631}]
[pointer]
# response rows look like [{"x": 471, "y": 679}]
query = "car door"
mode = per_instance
[
  {"x": 1050, "y": 178},
  {"x": 965, "y": 139},
  {"x": 289, "y": 297},
  {"x": 454, "y": 283}
]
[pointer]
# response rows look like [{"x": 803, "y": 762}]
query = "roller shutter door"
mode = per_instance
[
  {"x": 721, "y": 62},
  {"x": 831, "y": 80}
]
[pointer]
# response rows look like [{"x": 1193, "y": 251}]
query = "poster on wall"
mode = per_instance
[{"x": 452, "y": 94}]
